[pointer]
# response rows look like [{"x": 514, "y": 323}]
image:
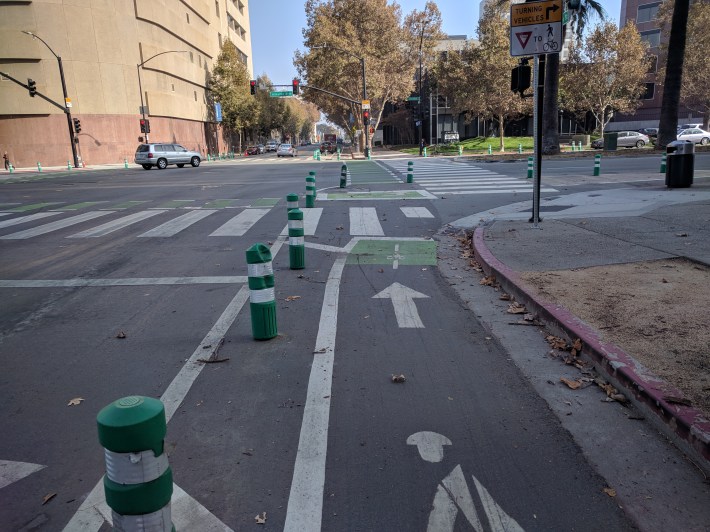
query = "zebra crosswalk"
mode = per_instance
[
  {"x": 363, "y": 221},
  {"x": 442, "y": 177}
]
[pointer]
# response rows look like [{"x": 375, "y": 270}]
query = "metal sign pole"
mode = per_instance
[{"x": 539, "y": 93}]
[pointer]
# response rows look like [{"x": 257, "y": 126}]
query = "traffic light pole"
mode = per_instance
[
  {"x": 140, "y": 89},
  {"x": 68, "y": 113},
  {"x": 364, "y": 97}
]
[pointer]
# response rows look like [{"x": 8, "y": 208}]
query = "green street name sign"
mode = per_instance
[
  {"x": 413, "y": 99},
  {"x": 279, "y": 94}
]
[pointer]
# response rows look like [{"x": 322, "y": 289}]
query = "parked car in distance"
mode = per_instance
[
  {"x": 625, "y": 139},
  {"x": 651, "y": 132},
  {"x": 272, "y": 145},
  {"x": 696, "y": 135},
  {"x": 251, "y": 150},
  {"x": 161, "y": 155},
  {"x": 261, "y": 147},
  {"x": 327, "y": 147},
  {"x": 286, "y": 150},
  {"x": 688, "y": 126}
]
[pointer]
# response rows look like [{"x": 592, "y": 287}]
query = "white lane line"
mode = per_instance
[
  {"x": 325, "y": 247},
  {"x": 497, "y": 191},
  {"x": 55, "y": 226},
  {"x": 115, "y": 225},
  {"x": 138, "y": 281},
  {"x": 29, "y": 218},
  {"x": 241, "y": 223},
  {"x": 364, "y": 222},
  {"x": 416, "y": 212},
  {"x": 173, "y": 227},
  {"x": 305, "y": 501}
]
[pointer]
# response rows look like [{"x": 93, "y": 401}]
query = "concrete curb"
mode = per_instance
[{"x": 688, "y": 427}]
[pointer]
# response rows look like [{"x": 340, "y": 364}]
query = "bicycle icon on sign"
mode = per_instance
[{"x": 550, "y": 45}]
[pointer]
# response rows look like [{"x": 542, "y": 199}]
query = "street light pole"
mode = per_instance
[
  {"x": 140, "y": 86},
  {"x": 64, "y": 92}
]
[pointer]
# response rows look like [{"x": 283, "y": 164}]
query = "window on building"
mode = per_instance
[
  {"x": 191, "y": 58},
  {"x": 187, "y": 16},
  {"x": 219, "y": 37},
  {"x": 199, "y": 57},
  {"x": 652, "y": 37},
  {"x": 241, "y": 6},
  {"x": 173, "y": 86},
  {"x": 216, "y": 7},
  {"x": 195, "y": 95},
  {"x": 650, "y": 91},
  {"x": 653, "y": 64},
  {"x": 647, "y": 12}
]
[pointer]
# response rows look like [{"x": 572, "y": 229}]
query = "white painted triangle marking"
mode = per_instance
[
  {"x": 405, "y": 310},
  {"x": 453, "y": 493},
  {"x": 13, "y": 471},
  {"x": 497, "y": 518}
]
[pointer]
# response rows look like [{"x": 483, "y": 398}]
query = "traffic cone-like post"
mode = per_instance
[
  {"x": 530, "y": 167},
  {"x": 318, "y": 155},
  {"x": 208, "y": 158},
  {"x": 39, "y": 167},
  {"x": 410, "y": 172},
  {"x": 139, "y": 482},
  {"x": 262, "y": 302},
  {"x": 12, "y": 168},
  {"x": 520, "y": 148},
  {"x": 311, "y": 190},
  {"x": 460, "y": 151},
  {"x": 125, "y": 163},
  {"x": 343, "y": 176},
  {"x": 425, "y": 155},
  {"x": 663, "y": 164},
  {"x": 579, "y": 146},
  {"x": 597, "y": 164},
  {"x": 291, "y": 201},
  {"x": 68, "y": 165},
  {"x": 338, "y": 153},
  {"x": 490, "y": 149},
  {"x": 296, "y": 240}
]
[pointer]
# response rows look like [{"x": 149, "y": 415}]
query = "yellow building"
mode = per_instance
[{"x": 100, "y": 43}]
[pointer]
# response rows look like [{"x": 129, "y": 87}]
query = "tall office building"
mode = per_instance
[{"x": 100, "y": 43}]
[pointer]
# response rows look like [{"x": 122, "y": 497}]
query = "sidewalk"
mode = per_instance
[{"x": 626, "y": 271}]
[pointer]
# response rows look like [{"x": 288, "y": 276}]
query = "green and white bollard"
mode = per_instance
[
  {"x": 68, "y": 165},
  {"x": 520, "y": 148},
  {"x": 579, "y": 146},
  {"x": 425, "y": 155},
  {"x": 597, "y": 164},
  {"x": 139, "y": 482},
  {"x": 410, "y": 172},
  {"x": 208, "y": 158},
  {"x": 338, "y": 153},
  {"x": 311, "y": 190},
  {"x": 261, "y": 285},
  {"x": 318, "y": 155},
  {"x": 314, "y": 155},
  {"x": 343, "y": 176},
  {"x": 460, "y": 151},
  {"x": 39, "y": 167},
  {"x": 296, "y": 240},
  {"x": 125, "y": 163},
  {"x": 291, "y": 201},
  {"x": 490, "y": 149},
  {"x": 663, "y": 164},
  {"x": 12, "y": 168},
  {"x": 530, "y": 167}
]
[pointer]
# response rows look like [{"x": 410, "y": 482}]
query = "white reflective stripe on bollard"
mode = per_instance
[
  {"x": 296, "y": 241},
  {"x": 260, "y": 270},
  {"x": 135, "y": 468},
  {"x": 157, "y": 521},
  {"x": 295, "y": 224},
  {"x": 262, "y": 296}
]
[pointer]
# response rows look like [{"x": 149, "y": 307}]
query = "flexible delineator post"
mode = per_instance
[
  {"x": 262, "y": 304},
  {"x": 139, "y": 482}
]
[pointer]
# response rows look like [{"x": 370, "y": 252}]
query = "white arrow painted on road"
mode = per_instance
[
  {"x": 13, "y": 471},
  {"x": 430, "y": 445},
  {"x": 405, "y": 310}
]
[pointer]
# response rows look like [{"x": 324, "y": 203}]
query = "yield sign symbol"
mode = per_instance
[{"x": 523, "y": 37}]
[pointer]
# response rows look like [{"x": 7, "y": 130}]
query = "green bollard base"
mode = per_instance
[
  {"x": 343, "y": 182},
  {"x": 310, "y": 202},
  {"x": 297, "y": 257},
  {"x": 263, "y": 320},
  {"x": 410, "y": 178}
]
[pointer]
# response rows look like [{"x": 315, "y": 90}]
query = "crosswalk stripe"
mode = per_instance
[
  {"x": 364, "y": 222},
  {"x": 416, "y": 212},
  {"x": 467, "y": 180},
  {"x": 311, "y": 217},
  {"x": 481, "y": 186},
  {"x": 54, "y": 226},
  {"x": 23, "y": 219},
  {"x": 173, "y": 227},
  {"x": 241, "y": 223},
  {"x": 494, "y": 191},
  {"x": 115, "y": 225}
]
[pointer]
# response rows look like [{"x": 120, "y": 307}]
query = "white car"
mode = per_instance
[
  {"x": 696, "y": 135},
  {"x": 286, "y": 150},
  {"x": 271, "y": 146}
]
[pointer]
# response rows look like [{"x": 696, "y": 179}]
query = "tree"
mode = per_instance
[
  {"x": 338, "y": 34},
  {"x": 229, "y": 84},
  {"x": 477, "y": 79},
  {"x": 272, "y": 111},
  {"x": 607, "y": 74}
]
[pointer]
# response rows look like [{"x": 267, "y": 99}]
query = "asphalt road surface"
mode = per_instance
[{"x": 309, "y": 427}]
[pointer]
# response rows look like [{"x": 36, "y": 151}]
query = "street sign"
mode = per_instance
[
  {"x": 413, "y": 99},
  {"x": 536, "y": 28},
  {"x": 280, "y": 94},
  {"x": 218, "y": 111},
  {"x": 67, "y": 102},
  {"x": 365, "y": 104}
]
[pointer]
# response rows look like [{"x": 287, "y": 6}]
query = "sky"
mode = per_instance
[{"x": 277, "y": 29}]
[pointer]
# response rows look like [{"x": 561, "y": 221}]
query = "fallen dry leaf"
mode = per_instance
[
  {"x": 556, "y": 342},
  {"x": 75, "y": 401},
  {"x": 381, "y": 270},
  {"x": 261, "y": 519},
  {"x": 120, "y": 334},
  {"x": 677, "y": 400},
  {"x": 292, "y": 298},
  {"x": 488, "y": 281},
  {"x": 516, "y": 308},
  {"x": 611, "y": 492},
  {"x": 339, "y": 228},
  {"x": 48, "y": 498},
  {"x": 681, "y": 234},
  {"x": 398, "y": 378},
  {"x": 505, "y": 297},
  {"x": 528, "y": 317},
  {"x": 574, "y": 385}
]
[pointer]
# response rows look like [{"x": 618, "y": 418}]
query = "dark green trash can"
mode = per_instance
[{"x": 610, "y": 141}]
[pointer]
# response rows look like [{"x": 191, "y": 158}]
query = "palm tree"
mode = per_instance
[
  {"x": 580, "y": 18},
  {"x": 674, "y": 72}
]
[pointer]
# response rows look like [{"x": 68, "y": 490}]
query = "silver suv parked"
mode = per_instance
[{"x": 161, "y": 155}]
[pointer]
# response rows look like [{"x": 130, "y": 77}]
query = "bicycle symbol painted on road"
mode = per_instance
[{"x": 453, "y": 493}]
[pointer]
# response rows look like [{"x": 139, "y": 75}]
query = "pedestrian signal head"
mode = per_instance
[{"x": 252, "y": 85}]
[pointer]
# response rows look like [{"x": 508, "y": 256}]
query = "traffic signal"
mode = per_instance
[
  {"x": 296, "y": 86},
  {"x": 520, "y": 79},
  {"x": 32, "y": 86},
  {"x": 573, "y": 4},
  {"x": 145, "y": 125},
  {"x": 366, "y": 118},
  {"x": 252, "y": 84},
  {"x": 77, "y": 125}
]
